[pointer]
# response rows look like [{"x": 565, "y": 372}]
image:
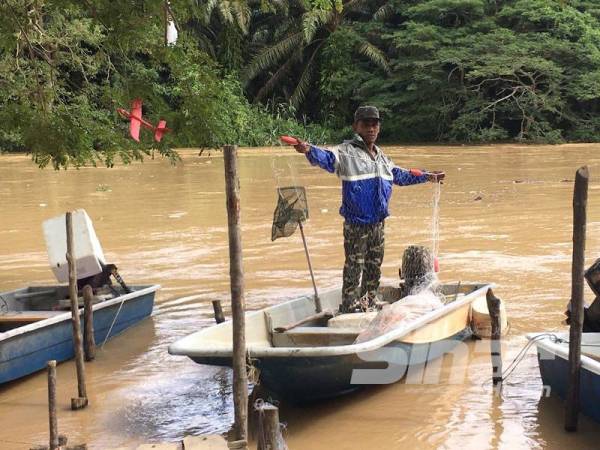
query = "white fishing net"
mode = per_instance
[{"x": 401, "y": 313}]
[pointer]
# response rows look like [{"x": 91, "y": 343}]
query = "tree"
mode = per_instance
[
  {"x": 290, "y": 49},
  {"x": 474, "y": 70}
]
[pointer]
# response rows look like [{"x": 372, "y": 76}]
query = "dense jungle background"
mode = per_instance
[{"x": 246, "y": 71}]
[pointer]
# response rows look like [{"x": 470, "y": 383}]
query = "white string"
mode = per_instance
[{"x": 435, "y": 221}]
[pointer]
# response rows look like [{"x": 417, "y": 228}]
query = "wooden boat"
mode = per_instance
[
  {"x": 553, "y": 358},
  {"x": 34, "y": 330},
  {"x": 314, "y": 361}
]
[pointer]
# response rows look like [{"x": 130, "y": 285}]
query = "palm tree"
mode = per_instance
[{"x": 289, "y": 46}]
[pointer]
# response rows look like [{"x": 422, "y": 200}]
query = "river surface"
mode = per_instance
[{"x": 505, "y": 217}]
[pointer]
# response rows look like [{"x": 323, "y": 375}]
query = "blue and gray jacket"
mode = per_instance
[{"x": 366, "y": 182}]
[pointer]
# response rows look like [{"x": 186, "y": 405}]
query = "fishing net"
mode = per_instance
[
  {"x": 400, "y": 313},
  {"x": 292, "y": 208}
]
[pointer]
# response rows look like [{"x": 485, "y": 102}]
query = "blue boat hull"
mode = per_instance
[
  {"x": 29, "y": 352},
  {"x": 555, "y": 372}
]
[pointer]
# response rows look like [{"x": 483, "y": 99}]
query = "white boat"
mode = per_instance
[{"x": 316, "y": 361}]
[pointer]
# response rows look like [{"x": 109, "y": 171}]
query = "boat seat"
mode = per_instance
[
  {"x": 315, "y": 337},
  {"x": 25, "y": 317}
]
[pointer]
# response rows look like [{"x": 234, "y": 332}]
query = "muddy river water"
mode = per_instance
[{"x": 505, "y": 217}]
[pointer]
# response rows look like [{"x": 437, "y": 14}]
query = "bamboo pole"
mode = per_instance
[
  {"x": 579, "y": 225},
  {"x": 89, "y": 344},
  {"x": 218, "y": 309},
  {"x": 52, "y": 419},
  {"x": 81, "y": 401},
  {"x": 236, "y": 274},
  {"x": 493, "y": 304},
  {"x": 318, "y": 306}
]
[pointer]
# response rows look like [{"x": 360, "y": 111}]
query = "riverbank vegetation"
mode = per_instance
[{"x": 246, "y": 71}]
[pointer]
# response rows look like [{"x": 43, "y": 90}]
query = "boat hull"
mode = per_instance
[
  {"x": 554, "y": 370},
  {"x": 309, "y": 379},
  {"x": 27, "y": 349}
]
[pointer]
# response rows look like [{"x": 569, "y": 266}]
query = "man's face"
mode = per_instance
[{"x": 368, "y": 129}]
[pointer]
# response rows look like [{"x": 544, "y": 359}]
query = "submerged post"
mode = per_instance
[
  {"x": 53, "y": 422},
  {"x": 81, "y": 401},
  {"x": 579, "y": 225},
  {"x": 218, "y": 310},
  {"x": 269, "y": 437},
  {"x": 493, "y": 304},
  {"x": 236, "y": 275},
  {"x": 89, "y": 346}
]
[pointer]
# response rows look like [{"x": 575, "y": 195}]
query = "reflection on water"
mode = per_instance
[{"x": 505, "y": 218}]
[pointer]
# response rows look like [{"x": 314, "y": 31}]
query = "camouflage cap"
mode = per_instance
[{"x": 366, "y": 112}]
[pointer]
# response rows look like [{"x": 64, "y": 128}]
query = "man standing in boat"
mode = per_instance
[{"x": 367, "y": 176}]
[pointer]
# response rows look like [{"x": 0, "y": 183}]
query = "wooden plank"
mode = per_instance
[
  {"x": 319, "y": 316},
  {"x": 28, "y": 316}
]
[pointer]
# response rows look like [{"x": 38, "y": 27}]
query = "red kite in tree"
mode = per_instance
[{"x": 136, "y": 121}]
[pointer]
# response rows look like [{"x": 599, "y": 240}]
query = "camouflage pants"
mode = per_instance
[{"x": 363, "y": 246}]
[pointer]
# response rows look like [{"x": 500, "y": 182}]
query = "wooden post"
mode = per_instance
[
  {"x": 493, "y": 304},
  {"x": 269, "y": 437},
  {"x": 81, "y": 401},
  {"x": 89, "y": 344},
  {"x": 579, "y": 224},
  {"x": 236, "y": 275},
  {"x": 53, "y": 422},
  {"x": 218, "y": 309},
  {"x": 318, "y": 306}
]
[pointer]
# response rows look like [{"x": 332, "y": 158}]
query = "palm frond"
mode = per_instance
[
  {"x": 303, "y": 85},
  {"x": 375, "y": 55},
  {"x": 225, "y": 11},
  {"x": 312, "y": 21},
  {"x": 358, "y": 5},
  {"x": 384, "y": 13},
  {"x": 271, "y": 55},
  {"x": 279, "y": 74},
  {"x": 242, "y": 12}
]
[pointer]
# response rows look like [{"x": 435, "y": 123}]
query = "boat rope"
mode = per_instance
[
  {"x": 113, "y": 323},
  {"x": 253, "y": 372},
  {"x": 521, "y": 355}
]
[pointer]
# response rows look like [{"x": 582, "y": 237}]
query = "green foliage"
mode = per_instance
[
  {"x": 66, "y": 66},
  {"x": 471, "y": 70},
  {"x": 246, "y": 71}
]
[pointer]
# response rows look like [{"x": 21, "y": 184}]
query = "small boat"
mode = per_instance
[
  {"x": 314, "y": 361},
  {"x": 553, "y": 358},
  {"x": 35, "y": 324}
]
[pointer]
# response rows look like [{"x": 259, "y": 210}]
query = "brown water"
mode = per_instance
[{"x": 505, "y": 218}]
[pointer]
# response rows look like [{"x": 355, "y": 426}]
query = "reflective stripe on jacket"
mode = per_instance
[{"x": 366, "y": 182}]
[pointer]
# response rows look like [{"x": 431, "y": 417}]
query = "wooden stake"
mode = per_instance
[
  {"x": 89, "y": 344},
  {"x": 81, "y": 401},
  {"x": 493, "y": 304},
  {"x": 269, "y": 437},
  {"x": 218, "y": 309},
  {"x": 236, "y": 275},
  {"x": 579, "y": 224},
  {"x": 53, "y": 422}
]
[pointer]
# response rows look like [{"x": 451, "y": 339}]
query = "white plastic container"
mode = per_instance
[{"x": 88, "y": 252}]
